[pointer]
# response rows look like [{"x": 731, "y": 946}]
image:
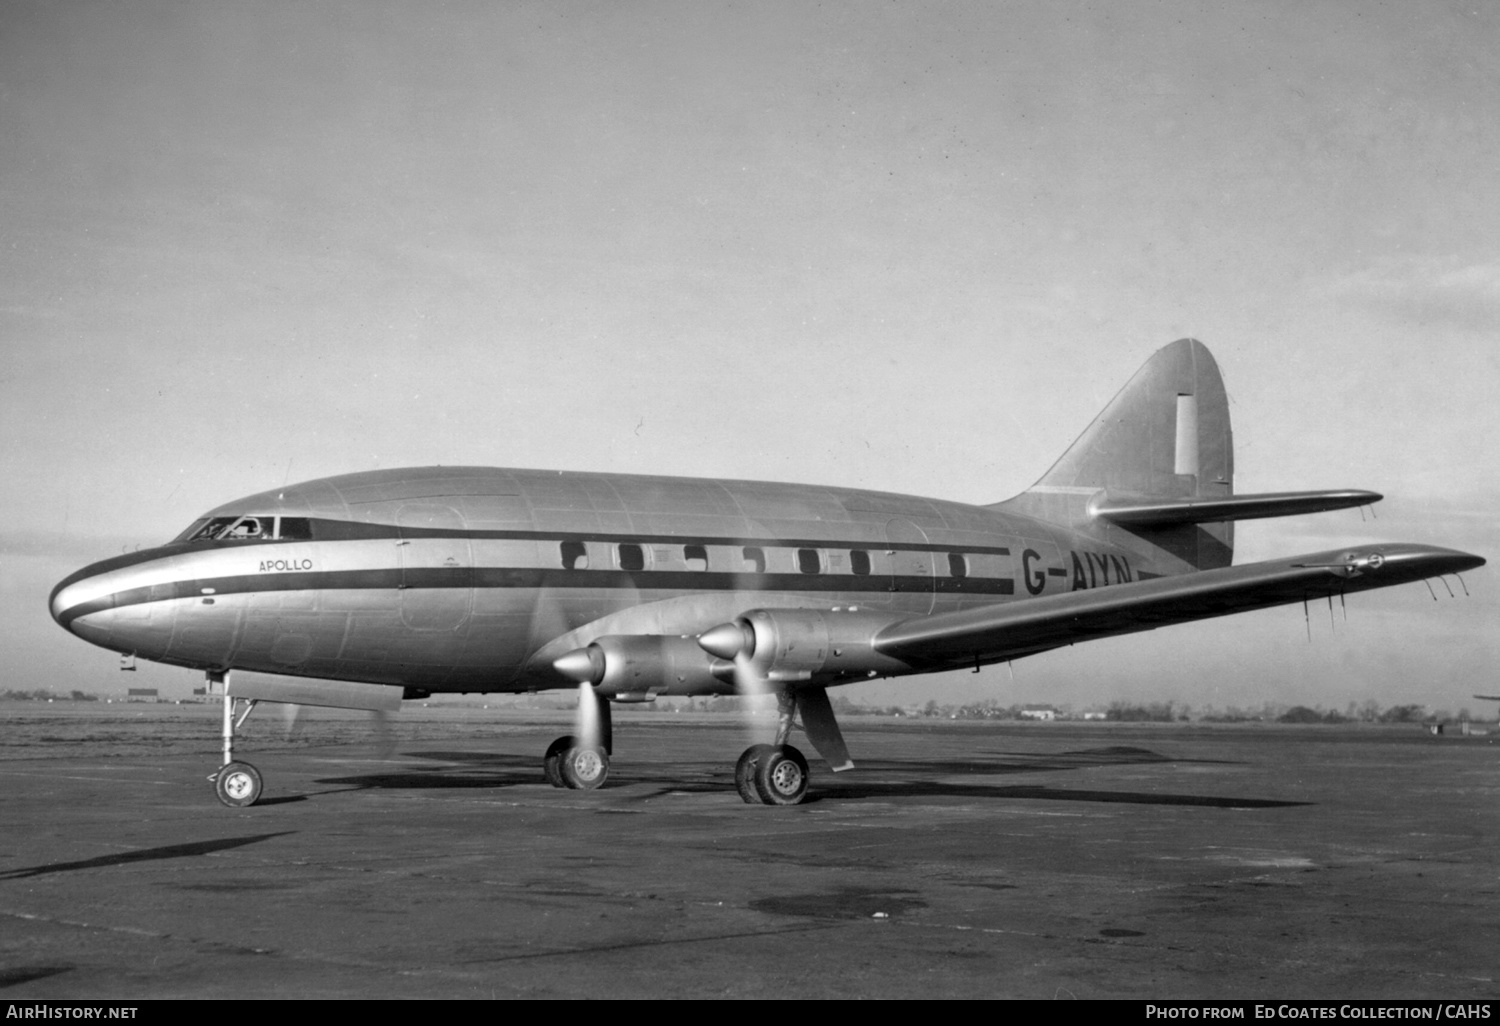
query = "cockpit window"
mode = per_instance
[
  {"x": 250, "y": 529},
  {"x": 295, "y": 529},
  {"x": 231, "y": 529},
  {"x": 208, "y": 530},
  {"x": 192, "y": 531}
]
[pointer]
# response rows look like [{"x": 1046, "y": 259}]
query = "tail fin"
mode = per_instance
[
  {"x": 1164, "y": 438},
  {"x": 1165, "y": 435}
]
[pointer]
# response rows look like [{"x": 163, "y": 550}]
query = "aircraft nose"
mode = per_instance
[
  {"x": 84, "y": 601},
  {"x": 79, "y": 608},
  {"x": 122, "y": 603},
  {"x": 68, "y": 594}
]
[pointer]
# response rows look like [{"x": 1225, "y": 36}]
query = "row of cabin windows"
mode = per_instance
[{"x": 629, "y": 556}]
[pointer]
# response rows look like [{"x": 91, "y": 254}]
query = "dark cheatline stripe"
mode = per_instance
[
  {"x": 535, "y": 577},
  {"x": 344, "y": 530},
  {"x": 347, "y": 530}
]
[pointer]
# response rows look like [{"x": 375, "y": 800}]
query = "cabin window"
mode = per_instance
[
  {"x": 859, "y": 561},
  {"x": 574, "y": 556},
  {"x": 294, "y": 529},
  {"x": 808, "y": 561},
  {"x": 631, "y": 557},
  {"x": 755, "y": 559},
  {"x": 695, "y": 556},
  {"x": 958, "y": 565}
]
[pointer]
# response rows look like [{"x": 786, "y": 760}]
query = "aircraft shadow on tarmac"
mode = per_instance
[
  {"x": 171, "y": 851},
  {"x": 917, "y": 778},
  {"x": 27, "y": 973},
  {"x": 839, "y": 790},
  {"x": 479, "y": 769}
]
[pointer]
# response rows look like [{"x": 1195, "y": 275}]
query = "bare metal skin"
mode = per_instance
[{"x": 475, "y": 579}]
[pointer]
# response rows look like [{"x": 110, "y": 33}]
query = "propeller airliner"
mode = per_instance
[{"x": 362, "y": 590}]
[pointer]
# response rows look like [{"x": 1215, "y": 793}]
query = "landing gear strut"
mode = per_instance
[
  {"x": 582, "y": 763},
  {"x": 237, "y": 784},
  {"x": 774, "y": 774}
]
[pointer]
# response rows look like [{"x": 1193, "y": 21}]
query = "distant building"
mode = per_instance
[
  {"x": 142, "y": 695},
  {"x": 1038, "y": 713},
  {"x": 1096, "y": 716}
]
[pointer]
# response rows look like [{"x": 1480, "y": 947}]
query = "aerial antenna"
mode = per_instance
[
  {"x": 1331, "y": 624},
  {"x": 285, "y": 477},
  {"x": 1465, "y": 586},
  {"x": 1448, "y": 586},
  {"x": 1429, "y": 588},
  {"x": 1306, "y": 619}
]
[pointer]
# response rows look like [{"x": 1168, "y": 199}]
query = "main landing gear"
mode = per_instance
[
  {"x": 774, "y": 774},
  {"x": 771, "y": 775},
  {"x": 581, "y": 761}
]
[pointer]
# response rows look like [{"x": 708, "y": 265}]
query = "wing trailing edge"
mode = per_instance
[
  {"x": 1009, "y": 630},
  {"x": 1170, "y": 512}
]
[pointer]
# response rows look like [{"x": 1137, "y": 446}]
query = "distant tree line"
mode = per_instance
[
  {"x": 1117, "y": 712},
  {"x": 43, "y": 695},
  {"x": 1160, "y": 712}
]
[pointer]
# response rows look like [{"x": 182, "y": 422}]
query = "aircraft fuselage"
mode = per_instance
[{"x": 474, "y": 579}]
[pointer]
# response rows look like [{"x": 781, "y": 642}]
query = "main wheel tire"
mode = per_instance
[
  {"x": 584, "y": 767},
  {"x": 781, "y": 776},
  {"x": 744, "y": 773},
  {"x": 552, "y": 761},
  {"x": 238, "y": 784}
]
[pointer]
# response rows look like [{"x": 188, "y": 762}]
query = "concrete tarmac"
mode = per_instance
[{"x": 958, "y": 860}]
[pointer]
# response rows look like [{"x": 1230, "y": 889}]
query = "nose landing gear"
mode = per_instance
[{"x": 237, "y": 784}]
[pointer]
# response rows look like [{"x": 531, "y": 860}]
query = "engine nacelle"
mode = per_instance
[
  {"x": 801, "y": 644},
  {"x": 638, "y": 667}
]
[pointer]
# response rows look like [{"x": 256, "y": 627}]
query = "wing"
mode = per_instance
[{"x": 1013, "y": 629}]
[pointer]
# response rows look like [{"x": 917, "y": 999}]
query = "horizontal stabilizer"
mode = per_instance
[
  {"x": 1231, "y": 507},
  {"x": 1010, "y": 630}
]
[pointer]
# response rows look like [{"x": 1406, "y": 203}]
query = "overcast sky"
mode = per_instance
[{"x": 912, "y": 247}]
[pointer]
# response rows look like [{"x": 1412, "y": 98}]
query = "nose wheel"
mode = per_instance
[{"x": 238, "y": 784}]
